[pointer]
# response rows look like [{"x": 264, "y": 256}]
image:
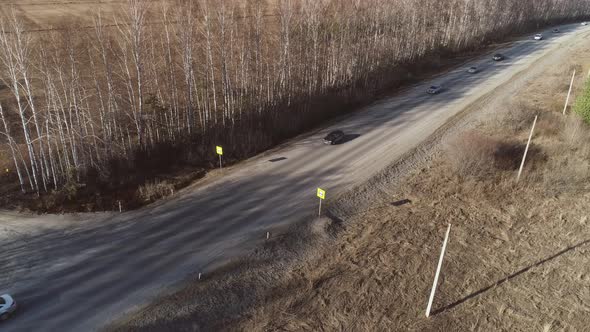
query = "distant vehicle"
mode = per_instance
[
  {"x": 584, "y": 23},
  {"x": 334, "y": 137},
  {"x": 472, "y": 70},
  {"x": 434, "y": 89},
  {"x": 538, "y": 36},
  {"x": 556, "y": 30},
  {"x": 7, "y": 306},
  {"x": 498, "y": 57}
]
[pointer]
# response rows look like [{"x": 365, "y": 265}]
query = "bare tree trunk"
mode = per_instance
[
  {"x": 186, "y": 20},
  {"x": 15, "y": 45},
  {"x": 133, "y": 34},
  {"x": 10, "y": 142}
]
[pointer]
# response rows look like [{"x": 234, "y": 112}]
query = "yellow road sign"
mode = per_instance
[
  {"x": 321, "y": 193},
  {"x": 219, "y": 150}
]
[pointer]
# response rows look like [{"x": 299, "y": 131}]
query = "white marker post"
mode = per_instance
[
  {"x": 219, "y": 151},
  {"x": 442, "y": 255},
  {"x": 567, "y": 99},
  {"x": 526, "y": 150},
  {"x": 322, "y": 195}
]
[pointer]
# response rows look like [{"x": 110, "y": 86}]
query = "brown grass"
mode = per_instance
[
  {"x": 40, "y": 15},
  {"x": 502, "y": 267},
  {"x": 574, "y": 131},
  {"x": 550, "y": 124}
]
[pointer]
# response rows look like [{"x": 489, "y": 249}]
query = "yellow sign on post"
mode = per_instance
[
  {"x": 321, "y": 193},
  {"x": 219, "y": 150}
]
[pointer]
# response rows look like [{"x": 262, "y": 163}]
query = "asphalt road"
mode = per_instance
[{"x": 79, "y": 278}]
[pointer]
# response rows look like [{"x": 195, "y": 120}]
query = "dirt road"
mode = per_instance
[{"x": 80, "y": 277}]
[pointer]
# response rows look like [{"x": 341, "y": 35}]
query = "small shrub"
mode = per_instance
[
  {"x": 555, "y": 104},
  {"x": 472, "y": 154},
  {"x": 582, "y": 104},
  {"x": 519, "y": 116},
  {"x": 152, "y": 191},
  {"x": 508, "y": 155},
  {"x": 573, "y": 131},
  {"x": 574, "y": 66},
  {"x": 548, "y": 124},
  {"x": 475, "y": 155},
  {"x": 569, "y": 174},
  {"x": 70, "y": 190}
]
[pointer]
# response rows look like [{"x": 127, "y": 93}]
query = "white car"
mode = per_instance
[
  {"x": 584, "y": 23},
  {"x": 498, "y": 57},
  {"x": 434, "y": 89},
  {"x": 472, "y": 70},
  {"x": 538, "y": 36},
  {"x": 7, "y": 306}
]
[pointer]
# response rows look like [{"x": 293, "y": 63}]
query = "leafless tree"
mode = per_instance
[{"x": 190, "y": 73}]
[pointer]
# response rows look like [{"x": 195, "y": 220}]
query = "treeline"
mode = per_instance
[{"x": 172, "y": 80}]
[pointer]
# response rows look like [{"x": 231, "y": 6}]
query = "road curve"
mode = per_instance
[{"x": 80, "y": 278}]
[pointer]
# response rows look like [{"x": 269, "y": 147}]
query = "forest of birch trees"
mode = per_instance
[{"x": 171, "y": 80}]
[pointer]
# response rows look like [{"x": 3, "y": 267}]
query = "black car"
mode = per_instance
[
  {"x": 498, "y": 57},
  {"x": 334, "y": 137},
  {"x": 556, "y": 30}
]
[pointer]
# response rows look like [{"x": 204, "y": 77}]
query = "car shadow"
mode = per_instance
[
  {"x": 347, "y": 138},
  {"x": 479, "y": 70},
  {"x": 401, "y": 202}
]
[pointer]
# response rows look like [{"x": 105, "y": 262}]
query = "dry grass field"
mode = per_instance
[
  {"x": 43, "y": 15},
  {"x": 517, "y": 259}
]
